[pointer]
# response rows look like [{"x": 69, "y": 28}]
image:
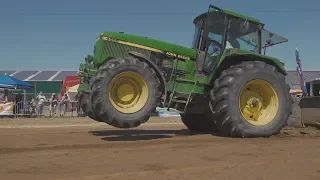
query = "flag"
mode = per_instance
[{"x": 300, "y": 73}]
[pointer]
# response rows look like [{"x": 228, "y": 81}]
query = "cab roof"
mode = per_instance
[{"x": 230, "y": 13}]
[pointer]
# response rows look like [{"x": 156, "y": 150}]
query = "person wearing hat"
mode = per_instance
[{"x": 53, "y": 104}]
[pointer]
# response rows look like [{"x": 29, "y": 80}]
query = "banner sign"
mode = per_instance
[{"x": 6, "y": 108}]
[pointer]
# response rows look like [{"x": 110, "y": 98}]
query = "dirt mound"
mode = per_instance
[{"x": 309, "y": 131}]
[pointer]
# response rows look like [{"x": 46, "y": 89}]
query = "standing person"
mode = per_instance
[
  {"x": 36, "y": 103},
  {"x": 11, "y": 97},
  {"x": 53, "y": 104},
  {"x": 65, "y": 101},
  {"x": 2, "y": 97},
  {"x": 19, "y": 97},
  {"x": 41, "y": 98},
  {"x": 59, "y": 98},
  {"x": 33, "y": 107}
]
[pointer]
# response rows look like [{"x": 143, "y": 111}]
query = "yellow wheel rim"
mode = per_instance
[
  {"x": 258, "y": 102},
  {"x": 128, "y": 92}
]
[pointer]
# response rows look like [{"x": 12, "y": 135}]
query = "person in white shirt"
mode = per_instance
[
  {"x": 53, "y": 104},
  {"x": 65, "y": 101},
  {"x": 41, "y": 98}
]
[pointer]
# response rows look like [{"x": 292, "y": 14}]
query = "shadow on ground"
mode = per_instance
[{"x": 140, "y": 135}]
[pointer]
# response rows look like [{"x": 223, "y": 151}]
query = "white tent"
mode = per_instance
[
  {"x": 73, "y": 88},
  {"x": 72, "y": 91}
]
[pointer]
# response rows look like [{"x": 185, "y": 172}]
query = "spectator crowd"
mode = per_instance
[{"x": 35, "y": 104}]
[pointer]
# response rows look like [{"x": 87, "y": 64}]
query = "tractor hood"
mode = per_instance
[{"x": 149, "y": 43}]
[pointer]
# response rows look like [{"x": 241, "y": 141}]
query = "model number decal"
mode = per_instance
[
  {"x": 111, "y": 39},
  {"x": 177, "y": 56}
]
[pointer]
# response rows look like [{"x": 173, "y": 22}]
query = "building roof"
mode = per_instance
[
  {"x": 292, "y": 78},
  {"x": 37, "y": 75}
]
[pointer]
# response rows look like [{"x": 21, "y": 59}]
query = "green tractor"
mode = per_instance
[{"x": 223, "y": 84}]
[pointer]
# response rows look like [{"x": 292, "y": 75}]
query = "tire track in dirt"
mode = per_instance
[
  {"x": 177, "y": 142},
  {"x": 153, "y": 152},
  {"x": 160, "y": 171},
  {"x": 132, "y": 139},
  {"x": 173, "y": 143}
]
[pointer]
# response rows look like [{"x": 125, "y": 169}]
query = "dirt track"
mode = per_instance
[{"x": 156, "y": 150}]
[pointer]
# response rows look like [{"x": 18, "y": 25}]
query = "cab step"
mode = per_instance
[{"x": 179, "y": 101}]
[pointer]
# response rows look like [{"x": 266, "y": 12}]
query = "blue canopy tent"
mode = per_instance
[
  {"x": 9, "y": 82},
  {"x": 14, "y": 83}
]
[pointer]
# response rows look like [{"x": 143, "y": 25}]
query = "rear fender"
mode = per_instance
[{"x": 229, "y": 60}]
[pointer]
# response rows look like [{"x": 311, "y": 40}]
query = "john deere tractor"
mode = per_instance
[{"x": 223, "y": 83}]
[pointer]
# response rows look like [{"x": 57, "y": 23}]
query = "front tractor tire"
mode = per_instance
[
  {"x": 125, "y": 92},
  {"x": 85, "y": 105},
  {"x": 251, "y": 99}
]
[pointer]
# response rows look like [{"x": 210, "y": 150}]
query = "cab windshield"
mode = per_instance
[{"x": 243, "y": 35}]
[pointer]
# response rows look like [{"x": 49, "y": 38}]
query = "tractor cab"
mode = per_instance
[{"x": 219, "y": 30}]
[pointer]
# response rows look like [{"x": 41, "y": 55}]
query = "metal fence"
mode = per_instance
[
  {"x": 28, "y": 109},
  {"x": 68, "y": 109}
]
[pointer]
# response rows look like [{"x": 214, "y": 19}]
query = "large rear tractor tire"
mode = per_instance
[
  {"x": 86, "y": 106},
  {"x": 125, "y": 92},
  {"x": 251, "y": 99}
]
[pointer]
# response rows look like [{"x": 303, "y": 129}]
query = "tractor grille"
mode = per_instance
[{"x": 120, "y": 50}]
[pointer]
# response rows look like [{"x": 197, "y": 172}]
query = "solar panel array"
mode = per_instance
[
  {"x": 293, "y": 79},
  {"x": 63, "y": 74},
  {"x": 43, "y": 76},
  {"x": 24, "y": 74},
  {"x": 3, "y": 72},
  {"x": 39, "y": 75}
]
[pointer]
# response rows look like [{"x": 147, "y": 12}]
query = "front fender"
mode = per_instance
[{"x": 145, "y": 59}]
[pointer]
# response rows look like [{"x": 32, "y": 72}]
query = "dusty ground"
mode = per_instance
[{"x": 43, "y": 149}]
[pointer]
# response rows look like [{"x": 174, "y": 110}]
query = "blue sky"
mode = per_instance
[{"x": 43, "y": 34}]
